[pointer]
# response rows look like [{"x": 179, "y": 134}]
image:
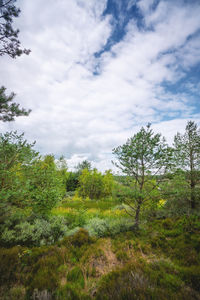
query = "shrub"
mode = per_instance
[
  {"x": 167, "y": 224},
  {"x": 80, "y": 238},
  {"x": 9, "y": 265},
  {"x": 70, "y": 292},
  {"x": 40, "y": 232},
  {"x": 44, "y": 273},
  {"x": 191, "y": 276},
  {"x": 121, "y": 256},
  {"x": 119, "y": 225},
  {"x": 94, "y": 185},
  {"x": 139, "y": 281},
  {"x": 76, "y": 275},
  {"x": 97, "y": 227},
  {"x": 17, "y": 293}
]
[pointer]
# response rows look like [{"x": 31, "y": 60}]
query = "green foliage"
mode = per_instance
[
  {"x": 17, "y": 293},
  {"x": 9, "y": 265},
  {"x": 74, "y": 267},
  {"x": 191, "y": 276},
  {"x": 9, "y": 43},
  {"x": 72, "y": 181},
  {"x": 8, "y": 109},
  {"x": 121, "y": 255},
  {"x": 142, "y": 155},
  {"x": 97, "y": 227},
  {"x": 108, "y": 226},
  {"x": 44, "y": 272},
  {"x": 91, "y": 184},
  {"x": 70, "y": 292},
  {"x": 28, "y": 185},
  {"x": 45, "y": 186},
  {"x": 157, "y": 280},
  {"x": 16, "y": 155},
  {"x": 94, "y": 185},
  {"x": 44, "y": 275},
  {"x": 176, "y": 192},
  {"x": 85, "y": 164},
  {"x": 187, "y": 157},
  {"x": 80, "y": 238},
  {"x": 167, "y": 224},
  {"x": 40, "y": 232},
  {"x": 107, "y": 183},
  {"x": 75, "y": 275}
]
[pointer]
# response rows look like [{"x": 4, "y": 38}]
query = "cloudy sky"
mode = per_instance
[{"x": 101, "y": 69}]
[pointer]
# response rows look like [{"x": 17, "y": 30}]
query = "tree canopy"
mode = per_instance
[
  {"x": 143, "y": 156},
  {"x": 8, "y": 109},
  {"x": 9, "y": 42},
  {"x": 187, "y": 156}
]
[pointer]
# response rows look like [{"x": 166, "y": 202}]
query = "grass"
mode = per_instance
[{"x": 77, "y": 203}]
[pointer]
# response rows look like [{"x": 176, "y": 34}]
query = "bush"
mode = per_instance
[
  {"x": 97, "y": 227},
  {"x": 191, "y": 276},
  {"x": 121, "y": 256},
  {"x": 158, "y": 280},
  {"x": 40, "y": 232},
  {"x": 80, "y": 238},
  {"x": 70, "y": 292},
  {"x": 119, "y": 225},
  {"x": 44, "y": 273},
  {"x": 9, "y": 265},
  {"x": 167, "y": 224},
  {"x": 94, "y": 185},
  {"x": 16, "y": 293},
  {"x": 76, "y": 275}
]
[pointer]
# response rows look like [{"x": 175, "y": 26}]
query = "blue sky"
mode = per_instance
[{"x": 99, "y": 70}]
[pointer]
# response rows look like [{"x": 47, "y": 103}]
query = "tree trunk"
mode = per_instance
[
  {"x": 192, "y": 181},
  {"x": 137, "y": 213},
  {"x": 192, "y": 194}
]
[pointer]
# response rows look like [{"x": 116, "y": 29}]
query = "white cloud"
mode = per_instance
[{"x": 84, "y": 116}]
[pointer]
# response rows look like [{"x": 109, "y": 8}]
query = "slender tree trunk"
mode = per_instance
[
  {"x": 192, "y": 181},
  {"x": 137, "y": 214},
  {"x": 192, "y": 193}
]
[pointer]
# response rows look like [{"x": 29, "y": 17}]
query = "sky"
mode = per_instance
[{"x": 100, "y": 70}]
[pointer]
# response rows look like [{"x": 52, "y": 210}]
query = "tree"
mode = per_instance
[
  {"x": 72, "y": 181},
  {"x": 10, "y": 45},
  {"x": 85, "y": 164},
  {"x": 26, "y": 180},
  {"x": 94, "y": 185},
  {"x": 142, "y": 157},
  {"x": 16, "y": 155},
  {"x": 9, "y": 42},
  {"x": 8, "y": 110},
  {"x": 46, "y": 187},
  {"x": 175, "y": 190},
  {"x": 187, "y": 157}
]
